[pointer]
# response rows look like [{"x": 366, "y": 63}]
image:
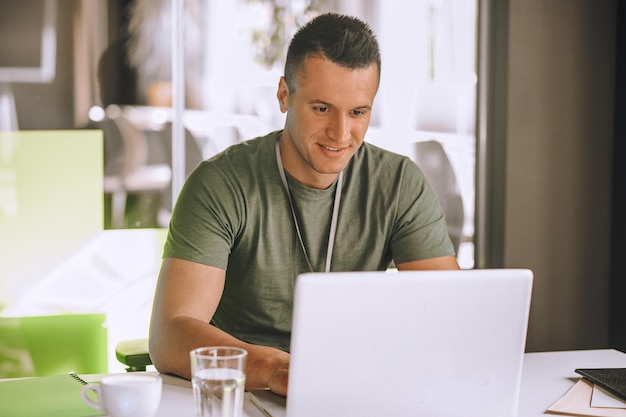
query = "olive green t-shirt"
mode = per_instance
[{"x": 234, "y": 213}]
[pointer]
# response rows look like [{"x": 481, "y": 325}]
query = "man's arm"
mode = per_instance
[
  {"x": 187, "y": 296},
  {"x": 442, "y": 262}
]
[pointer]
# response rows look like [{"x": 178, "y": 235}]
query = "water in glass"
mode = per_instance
[{"x": 219, "y": 392}]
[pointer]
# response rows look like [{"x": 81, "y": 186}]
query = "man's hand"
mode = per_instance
[
  {"x": 279, "y": 379},
  {"x": 267, "y": 367}
]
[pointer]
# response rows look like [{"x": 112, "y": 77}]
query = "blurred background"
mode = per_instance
[{"x": 511, "y": 108}]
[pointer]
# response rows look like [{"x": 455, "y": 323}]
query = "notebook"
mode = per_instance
[
  {"x": 419, "y": 343},
  {"x": 611, "y": 379},
  {"x": 51, "y": 396}
]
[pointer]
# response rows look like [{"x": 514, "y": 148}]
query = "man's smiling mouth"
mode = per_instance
[{"x": 330, "y": 149}]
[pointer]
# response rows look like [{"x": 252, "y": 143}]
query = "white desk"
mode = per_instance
[{"x": 547, "y": 376}]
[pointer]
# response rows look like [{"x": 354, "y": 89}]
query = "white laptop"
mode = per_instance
[{"x": 427, "y": 343}]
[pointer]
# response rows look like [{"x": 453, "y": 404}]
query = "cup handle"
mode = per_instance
[{"x": 93, "y": 404}]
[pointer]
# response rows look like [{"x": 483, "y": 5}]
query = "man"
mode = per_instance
[{"x": 312, "y": 197}]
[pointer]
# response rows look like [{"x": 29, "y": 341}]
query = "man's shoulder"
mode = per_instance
[
  {"x": 244, "y": 162},
  {"x": 249, "y": 149},
  {"x": 242, "y": 157},
  {"x": 383, "y": 167},
  {"x": 374, "y": 154}
]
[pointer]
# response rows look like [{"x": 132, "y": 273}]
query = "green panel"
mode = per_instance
[
  {"x": 51, "y": 201},
  {"x": 48, "y": 345}
]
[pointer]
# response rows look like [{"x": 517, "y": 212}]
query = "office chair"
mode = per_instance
[
  {"x": 134, "y": 354},
  {"x": 434, "y": 163},
  {"x": 127, "y": 169}
]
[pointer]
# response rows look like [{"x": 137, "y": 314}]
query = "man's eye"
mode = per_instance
[
  {"x": 358, "y": 112},
  {"x": 322, "y": 109}
]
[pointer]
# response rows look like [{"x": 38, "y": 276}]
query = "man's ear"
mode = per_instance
[{"x": 283, "y": 94}]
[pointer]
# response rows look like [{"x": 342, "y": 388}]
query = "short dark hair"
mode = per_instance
[{"x": 344, "y": 40}]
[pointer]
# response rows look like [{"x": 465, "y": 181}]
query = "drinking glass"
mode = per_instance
[{"x": 218, "y": 378}]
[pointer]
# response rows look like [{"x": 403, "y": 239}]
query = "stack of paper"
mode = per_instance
[{"x": 587, "y": 399}]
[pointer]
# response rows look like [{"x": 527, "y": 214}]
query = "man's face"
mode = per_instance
[{"x": 327, "y": 118}]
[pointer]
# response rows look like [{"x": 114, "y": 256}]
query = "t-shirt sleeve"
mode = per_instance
[
  {"x": 419, "y": 230},
  {"x": 204, "y": 222}
]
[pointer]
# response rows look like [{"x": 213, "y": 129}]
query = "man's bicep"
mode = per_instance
[
  {"x": 206, "y": 219},
  {"x": 441, "y": 262},
  {"x": 186, "y": 298},
  {"x": 419, "y": 227},
  {"x": 188, "y": 289}
]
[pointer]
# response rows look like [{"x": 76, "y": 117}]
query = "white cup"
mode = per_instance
[{"x": 126, "y": 395}]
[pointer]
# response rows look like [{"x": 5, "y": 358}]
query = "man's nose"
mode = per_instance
[{"x": 339, "y": 129}]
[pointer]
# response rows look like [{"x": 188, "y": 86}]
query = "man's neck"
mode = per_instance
[{"x": 299, "y": 170}]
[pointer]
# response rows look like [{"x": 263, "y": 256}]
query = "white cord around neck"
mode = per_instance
[{"x": 333, "y": 221}]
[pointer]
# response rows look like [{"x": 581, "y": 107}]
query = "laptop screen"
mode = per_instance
[{"x": 436, "y": 343}]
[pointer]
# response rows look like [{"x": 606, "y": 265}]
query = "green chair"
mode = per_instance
[
  {"x": 55, "y": 344},
  {"x": 134, "y": 354}
]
